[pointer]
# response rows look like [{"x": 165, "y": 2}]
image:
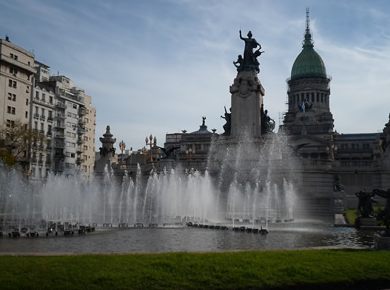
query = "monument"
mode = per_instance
[{"x": 247, "y": 92}]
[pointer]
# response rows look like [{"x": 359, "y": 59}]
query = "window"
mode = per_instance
[
  {"x": 13, "y": 71},
  {"x": 36, "y": 125},
  {"x": 37, "y": 95},
  {"x": 74, "y": 106},
  {"x": 51, "y": 100},
  {"x": 42, "y": 127},
  {"x": 72, "y": 155},
  {"x": 10, "y": 123},
  {"x": 12, "y": 84},
  {"x": 44, "y": 97},
  {"x": 26, "y": 114},
  {"x": 11, "y": 110},
  {"x": 26, "y": 102},
  {"x": 42, "y": 112},
  {"x": 9, "y": 96},
  {"x": 50, "y": 114}
]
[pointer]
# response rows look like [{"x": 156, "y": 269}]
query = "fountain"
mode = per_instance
[
  {"x": 250, "y": 178},
  {"x": 251, "y": 185}
]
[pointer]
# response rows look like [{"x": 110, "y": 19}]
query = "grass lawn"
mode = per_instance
[
  {"x": 304, "y": 269},
  {"x": 351, "y": 214}
]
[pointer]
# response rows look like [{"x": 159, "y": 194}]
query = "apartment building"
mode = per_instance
[{"x": 52, "y": 106}]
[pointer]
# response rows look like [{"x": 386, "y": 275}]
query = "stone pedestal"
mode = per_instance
[
  {"x": 247, "y": 98},
  {"x": 366, "y": 222},
  {"x": 382, "y": 243}
]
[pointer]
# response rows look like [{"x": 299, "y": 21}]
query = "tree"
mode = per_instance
[{"x": 16, "y": 142}]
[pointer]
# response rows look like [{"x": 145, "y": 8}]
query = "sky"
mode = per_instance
[{"x": 158, "y": 66}]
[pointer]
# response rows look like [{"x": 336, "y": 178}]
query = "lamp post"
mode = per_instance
[
  {"x": 122, "y": 147},
  {"x": 151, "y": 142},
  {"x": 189, "y": 156}
]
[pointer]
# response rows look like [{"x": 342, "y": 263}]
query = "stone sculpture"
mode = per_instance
[
  {"x": 228, "y": 124},
  {"x": 249, "y": 62},
  {"x": 365, "y": 204},
  {"x": 384, "y": 215}
]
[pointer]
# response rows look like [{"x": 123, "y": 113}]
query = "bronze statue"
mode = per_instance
[
  {"x": 228, "y": 124},
  {"x": 365, "y": 204},
  {"x": 249, "y": 62},
  {"x": 384, "y": 215},
  {"x": 239, "y": 64},
  {"x": 267, "y": 123}
]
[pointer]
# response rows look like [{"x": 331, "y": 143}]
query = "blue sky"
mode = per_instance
[{"x": 154, "y": 67}]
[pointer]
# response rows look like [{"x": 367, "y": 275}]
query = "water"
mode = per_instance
[
  {"x": 190, "y": 240},
  {"x": 253, "y": 185},
  {"x": 251, "y": 182}
]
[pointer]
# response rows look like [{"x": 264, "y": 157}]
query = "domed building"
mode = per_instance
[
  {"x": 308, "y": 93},
  {"x": 334, "y": 166}
]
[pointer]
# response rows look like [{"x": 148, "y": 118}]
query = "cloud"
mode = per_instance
[{"x": 158, "y": 66}]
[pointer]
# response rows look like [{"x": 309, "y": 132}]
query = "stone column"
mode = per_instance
[{"x": 107, "y": 152}]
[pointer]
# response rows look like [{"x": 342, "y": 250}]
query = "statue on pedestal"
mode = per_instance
[
  {"x": 366, "y": 200},
  {"x": 249, "y": 62},
  {"x": 228, "y": 124},
  {"x": 384, "y": 215},
  {"x": 267, "y": 123}
]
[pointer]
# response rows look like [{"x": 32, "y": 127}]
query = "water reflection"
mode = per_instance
[{"x": 189, "y": 239}]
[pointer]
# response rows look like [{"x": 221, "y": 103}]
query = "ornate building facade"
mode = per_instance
[{"x": 332, "y": 166}]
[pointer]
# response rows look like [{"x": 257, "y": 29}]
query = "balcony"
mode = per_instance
[
  {"x": 60, "y": 116},
  {"x": 60, "y": 145},
  {"x": 17, "y": 63},
  {"x": 36, "y": 116},
  {"x": 59, "y": 135},
  {"x": 43, "y": 118},
  {"x": 82, "y": 111},
  {"x": 50, "y": 119},
  {"x": 61, "y": 126},
  {"x": 60, "y": 105}
]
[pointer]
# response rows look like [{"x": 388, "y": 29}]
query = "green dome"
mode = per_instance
[{"x": 308, "y": 63}]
